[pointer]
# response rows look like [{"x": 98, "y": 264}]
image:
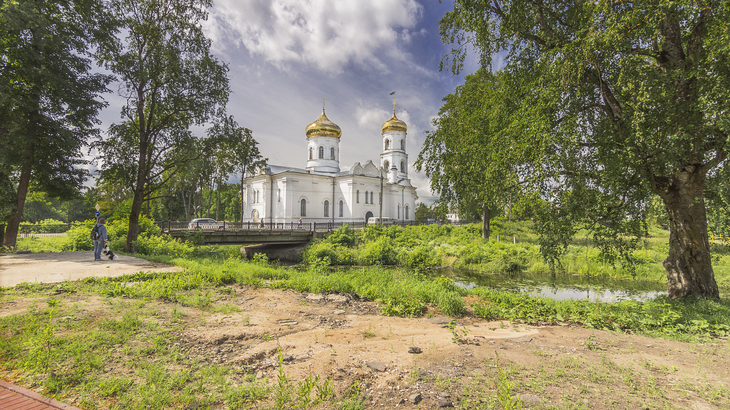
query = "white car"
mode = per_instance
[{"x": 205, "y": 224}]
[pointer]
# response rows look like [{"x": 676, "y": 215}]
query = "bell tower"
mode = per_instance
[
  {"x": 394, "y": 158},
  {"x": 323, "y": 145}
]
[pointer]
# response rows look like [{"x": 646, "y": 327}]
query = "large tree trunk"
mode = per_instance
[
  {"x": 11, "y": 232},
  {"x": 486, "y": 216},
  {"x": 688, "y": 265}
]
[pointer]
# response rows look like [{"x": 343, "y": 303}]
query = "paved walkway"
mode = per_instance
[{"x": 17, "y": 398}]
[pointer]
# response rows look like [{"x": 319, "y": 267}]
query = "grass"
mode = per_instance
[{"x": 65, "y": 351}]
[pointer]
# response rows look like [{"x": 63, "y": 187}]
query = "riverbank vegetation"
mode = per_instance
[{"x": 395, "y": 270}]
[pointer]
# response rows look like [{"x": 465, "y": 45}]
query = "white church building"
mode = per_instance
[{"x": 322, "y": 193}]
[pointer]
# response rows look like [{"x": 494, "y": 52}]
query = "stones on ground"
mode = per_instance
[
  {"x": 415, "y": 398},
  {"x": 439, "y": 320},
  {"x": 338, "y": 312},
  {"x": 272, "y": 304},
  {"x": 443, "y": 403},
  {"x": 287, "y": 358},
  {"x": 698, "y": 405},
  {"x": 259, "y": 374},
  {"x": 286, "y": 322},
  {"x": 314, "y": 297},
  {"x": 525, "y": 339},
  {"x": 415, "y": 350},
  {"x": 377, "y": 366},
  {"x": 530, "y": 399},
  {"x": 336, "y": 298}
]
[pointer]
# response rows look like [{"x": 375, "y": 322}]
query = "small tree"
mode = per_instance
[{"x": 171, "y": 82}]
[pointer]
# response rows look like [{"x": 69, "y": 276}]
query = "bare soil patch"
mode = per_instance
[{"x": 426, "y": 363}]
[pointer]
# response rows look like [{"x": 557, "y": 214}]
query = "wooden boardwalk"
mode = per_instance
[{"x": 17, "y": 398}]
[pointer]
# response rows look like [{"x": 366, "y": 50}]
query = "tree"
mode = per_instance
[
  {"x": 620, "y": 101},
  {"x": 171, "y": 82},
  {"x": 469, "y": 158},
  {"x": 241, "y": 148},
  {"x": 49, "y": 99}
]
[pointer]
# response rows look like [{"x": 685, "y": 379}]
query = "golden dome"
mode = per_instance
[
  {"x": 323, "y": 127},
  {"x": 394, "y": 124}
]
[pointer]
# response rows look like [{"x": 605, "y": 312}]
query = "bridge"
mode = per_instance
[{"x": 243, "y": 233}]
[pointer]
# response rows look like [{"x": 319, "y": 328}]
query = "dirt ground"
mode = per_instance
[{"x": 425, "y": 363}]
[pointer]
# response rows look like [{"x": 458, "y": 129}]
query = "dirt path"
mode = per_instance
[{"x": 58, "y": 267}]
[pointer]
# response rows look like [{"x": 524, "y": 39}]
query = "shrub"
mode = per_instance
[
  {"x": 331, "y": 254},
  {"x": 344, "y": 236},
  {"x": 379, "y": 252},
  {"x": 162, "y": 245}
]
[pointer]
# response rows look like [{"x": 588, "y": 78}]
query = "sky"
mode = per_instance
[{"x": 285, "y": 56}]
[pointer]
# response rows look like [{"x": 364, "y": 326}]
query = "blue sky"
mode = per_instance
[{"x": 285, "y": 56}]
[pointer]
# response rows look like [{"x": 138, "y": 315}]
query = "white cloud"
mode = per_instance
[{"x": 326, "y": 34}]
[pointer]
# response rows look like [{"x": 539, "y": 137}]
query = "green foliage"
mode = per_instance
[
  {"x": 49, "y": 100},
  {"x": 171, "y": 82},
  {"x": 344, "y": 236},
  {"x": 597, "y": 110},
  {"x": 378, "y": 252}
]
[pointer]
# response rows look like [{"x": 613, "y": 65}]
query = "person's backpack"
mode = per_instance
[{"x": 95, "y": 233}]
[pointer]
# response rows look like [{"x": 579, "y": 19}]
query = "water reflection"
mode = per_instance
[{"x": 560, "y": 287}]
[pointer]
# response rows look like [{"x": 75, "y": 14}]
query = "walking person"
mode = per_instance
[
  {"x": 100, "y": 239},
  {"x": 300, "y": 224}
]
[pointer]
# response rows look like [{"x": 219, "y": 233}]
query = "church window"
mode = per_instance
[
  {"x": 406, "y": 211},
  {"x": 326, "y": 209},
  {"x": 304, "y": 207},
  {"x": 321, "y": 152},
  {"x": 342, "y": 206},
  {"x": 386, "y": 165},
  {"x": 357, "y": 196},
  {"x": 311, "y": 152},
  {"x": 366, "y": 197},
  {"x": 387, "y": 144},
  {"x": 403, "y": 145},
  {"x": 398, "y": 212},
  {"x": 280, "y": 195},
  {"x": 403, "y": 166},
  {"x": 256, "y": 199},
  {"x": 371, "y": 197},
  {"x": 332, "y": 153}
]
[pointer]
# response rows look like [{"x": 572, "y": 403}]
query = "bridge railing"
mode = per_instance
[{"x": 183, "y": 226}]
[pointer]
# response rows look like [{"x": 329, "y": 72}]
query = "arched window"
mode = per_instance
[
  {"x": 332, "y": 153},
  {"x": 357, "y": 196},
  {"x": 387, "y": 144},
  {"x": 406, "y": 211},
  {"x": 371, "y": 197},
  {"x": 342, "y": 208},
  {"x": 403, "y": 166},
  {"x": 326, "y": 209},
  {"x": 321, "y": 152},
  {"x": 366, "y": 197},
  {"x": 403, "y": 145},
  {"x": 386, "y": 165},
  {"x": 311, "y": 153},
  {"x": 303, "y": 211}
]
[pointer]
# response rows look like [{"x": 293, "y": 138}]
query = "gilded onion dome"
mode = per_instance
[
  {"x": 323, "y": 127},
  {"x": 394, "y": 124}
]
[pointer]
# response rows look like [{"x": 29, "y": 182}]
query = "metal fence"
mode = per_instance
[
  {"x": 178, "y": 226},
  {"x": 39, "y": 230}
]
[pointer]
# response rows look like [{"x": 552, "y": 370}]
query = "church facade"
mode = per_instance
[{"x": 320, "y": 192}]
